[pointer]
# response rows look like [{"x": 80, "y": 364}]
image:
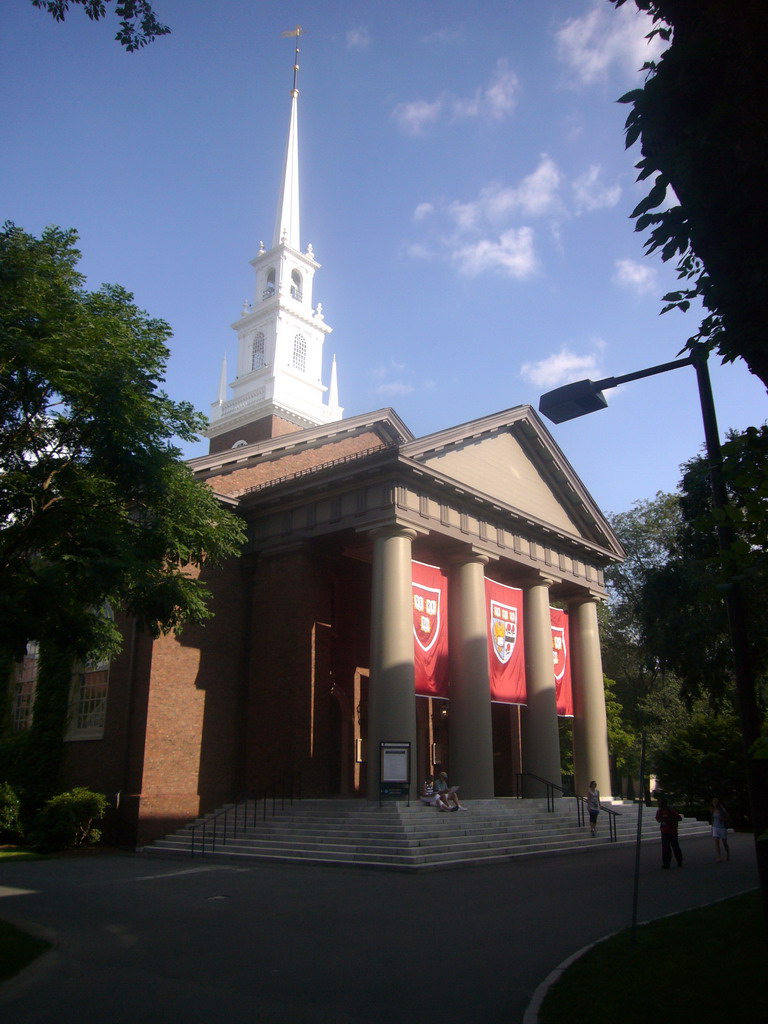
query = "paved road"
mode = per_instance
[{"x": 150, "y": 940}]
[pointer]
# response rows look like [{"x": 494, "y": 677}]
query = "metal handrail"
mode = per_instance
[
  {"x": 551, "y": 787},
  {"x": 581, "y": 803},
  {"x": 281, "y": 789}
]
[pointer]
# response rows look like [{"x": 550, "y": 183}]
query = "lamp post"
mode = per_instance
[{"x": 586, "y": 396}]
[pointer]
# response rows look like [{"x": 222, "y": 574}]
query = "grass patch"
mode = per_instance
[
  {"x": 17, "y": 853},
  {"x": 705, "y": 964},
  {"x": 17, "y": 949}
]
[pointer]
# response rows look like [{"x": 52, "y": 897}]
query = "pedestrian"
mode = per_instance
[
  {"x": 720, "y": 823},
  {"x": 668, "y": 819},
  {"x": 593, "y": 806}
]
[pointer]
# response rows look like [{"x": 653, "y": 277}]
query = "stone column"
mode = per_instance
[
  {"x": 471, "y": 734},
  {"x": 391, "y": 692},
  {"x": 590, "y": 726},
  {"x": 541, "y": 737}
]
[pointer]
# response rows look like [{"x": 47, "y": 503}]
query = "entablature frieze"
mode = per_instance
[{"x": 523, "y": 546}]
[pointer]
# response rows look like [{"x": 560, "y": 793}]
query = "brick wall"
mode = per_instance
[{"x": 238, "y": 480}]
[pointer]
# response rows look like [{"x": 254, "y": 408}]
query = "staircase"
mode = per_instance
[{"x": 396, "y": 836}]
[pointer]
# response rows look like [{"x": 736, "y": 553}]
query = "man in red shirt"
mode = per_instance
[{"x": 668, "y": 818}]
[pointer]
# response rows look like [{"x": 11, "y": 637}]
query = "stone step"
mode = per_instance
[{"x": 408, "y": 837}]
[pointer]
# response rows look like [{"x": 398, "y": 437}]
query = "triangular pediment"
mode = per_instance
[{"x": 512, "y": 459}]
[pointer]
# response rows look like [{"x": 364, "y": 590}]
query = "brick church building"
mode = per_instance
[{"x": 311, "y": 662}]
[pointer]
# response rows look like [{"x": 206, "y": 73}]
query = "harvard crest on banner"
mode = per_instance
[
  {"x": 429, "y": 601},
  {"x": 561, "y": 661},
  {"x": 506, "y": 656}
]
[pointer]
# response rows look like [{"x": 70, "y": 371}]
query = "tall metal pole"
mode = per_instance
[
  {"x": 749, "y": 715},
  {"x": 638, "y": 840}
]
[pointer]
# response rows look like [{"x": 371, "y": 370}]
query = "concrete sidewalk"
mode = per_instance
[{"x": 147, "y": 940}]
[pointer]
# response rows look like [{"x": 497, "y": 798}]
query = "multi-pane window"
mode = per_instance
[
  {"x": 257, "y": 351},
  {"x": 24, "y": 689},
  {"x": 300, "y": 353},
  {"x": 88, "y": 702}
]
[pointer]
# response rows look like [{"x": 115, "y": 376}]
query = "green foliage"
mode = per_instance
[
  {"x": 95, "y": 503},
  {"x": 682, "y": 613},
  {"x": 138, "y": 22},
  {"x": 10, "y": 813},
  {"x": 700, "y": 118},
  {"x": 622, "y": 739},
  {"x": 67, "y": 820},
  {"x": 704, "y": 760}
]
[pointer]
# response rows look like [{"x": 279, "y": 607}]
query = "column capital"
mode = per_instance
[
  {"x": 586, "y": 597},
  {"x": 469, "y": 555},
  {"x": 393, "y": 530},
  {"x": 541, "y": 579}
]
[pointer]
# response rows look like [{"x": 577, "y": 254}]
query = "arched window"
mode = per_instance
[
  {"x": 300, "y": 353},
  {"x": 269, "y": 291},
  {"x": 296, "y": 288},
  {"x": 240, "y": 444},
  {"x": 24, "y": 688},
  {"x": 257, "y": 351}
]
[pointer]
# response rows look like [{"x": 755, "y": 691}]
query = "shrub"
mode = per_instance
[
  {"x": 10, "y": 806},
  {"x": 67, "y": 820}
]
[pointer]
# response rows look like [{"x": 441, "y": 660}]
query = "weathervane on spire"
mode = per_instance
[{"x": 298, "y": 31}]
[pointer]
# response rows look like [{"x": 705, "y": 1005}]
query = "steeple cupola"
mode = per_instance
[{"x": 278, "y": 387}]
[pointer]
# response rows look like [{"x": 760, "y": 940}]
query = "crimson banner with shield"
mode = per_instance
[
  {"x": 506, "y": 652},
  {"x": 562, "y": 661},
  {"x": 430, "y": 629}
]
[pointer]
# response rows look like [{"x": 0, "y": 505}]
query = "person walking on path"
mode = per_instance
[
  {"x": 720, "y": 829},
  {"x": 668, "y": 819},
  {"x": 593, "y": 806}
]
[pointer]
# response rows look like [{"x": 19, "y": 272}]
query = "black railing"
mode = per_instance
[
  {"x": 550, "y": 787},
  {"x": 581, "y": 804},
  {"x": 233, "y": 820}
]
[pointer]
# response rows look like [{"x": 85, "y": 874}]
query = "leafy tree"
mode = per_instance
[
  {"x": 701, "y": 121},
  {"x": 95, "y": 504},
  {"x": 683, "y": 617},
  {"x": 138, "y": 22},
  {"x": 645, "y": 532},
  {"x": 702, "y": 760}
]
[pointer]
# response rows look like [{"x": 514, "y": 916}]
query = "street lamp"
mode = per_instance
[{"x": 586, "y": 396}]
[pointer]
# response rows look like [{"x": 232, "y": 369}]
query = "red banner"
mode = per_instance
[
  {"x": 430, "y": 630},
  {"x": 506, "y": 652},
  {"x": 562, "y": 661}
]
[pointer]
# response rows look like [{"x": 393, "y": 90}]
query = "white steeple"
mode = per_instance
[{"x": 278, "y": 387}]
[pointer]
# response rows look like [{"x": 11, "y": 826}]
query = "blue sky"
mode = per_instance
[{"x": 464, "y": 184}]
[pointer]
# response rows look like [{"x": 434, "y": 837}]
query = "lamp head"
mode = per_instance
[{"x": 572, "y": 400}]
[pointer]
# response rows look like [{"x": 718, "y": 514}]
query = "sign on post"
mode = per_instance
[{"x": 394, "y": 771}]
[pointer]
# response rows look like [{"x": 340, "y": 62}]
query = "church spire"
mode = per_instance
[
  {"x": 278, "y": 387},
  {"x": 287, "y": 219}
]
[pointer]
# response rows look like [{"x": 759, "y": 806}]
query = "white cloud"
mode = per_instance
[
  {"x": 590, "y": 194},
  {"x": 423, "y": 210},
  {"x": 561, "y": 368},
  {"x": 636, "y": 276},
  {"x": 412, "y": 118},
  {"x": 494, "y": 101},
  {"x": 419, "y": 251},
  {"x": 606, "y": 38},
  {"x": 394, "y": 388},
  {"x": 513, "y": 255},
  {"x": 536, "y": 195},
  {"x": 358, "y": 38}
]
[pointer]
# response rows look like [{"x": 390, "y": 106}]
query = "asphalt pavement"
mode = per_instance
[{"x": 143, "y": 939}]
